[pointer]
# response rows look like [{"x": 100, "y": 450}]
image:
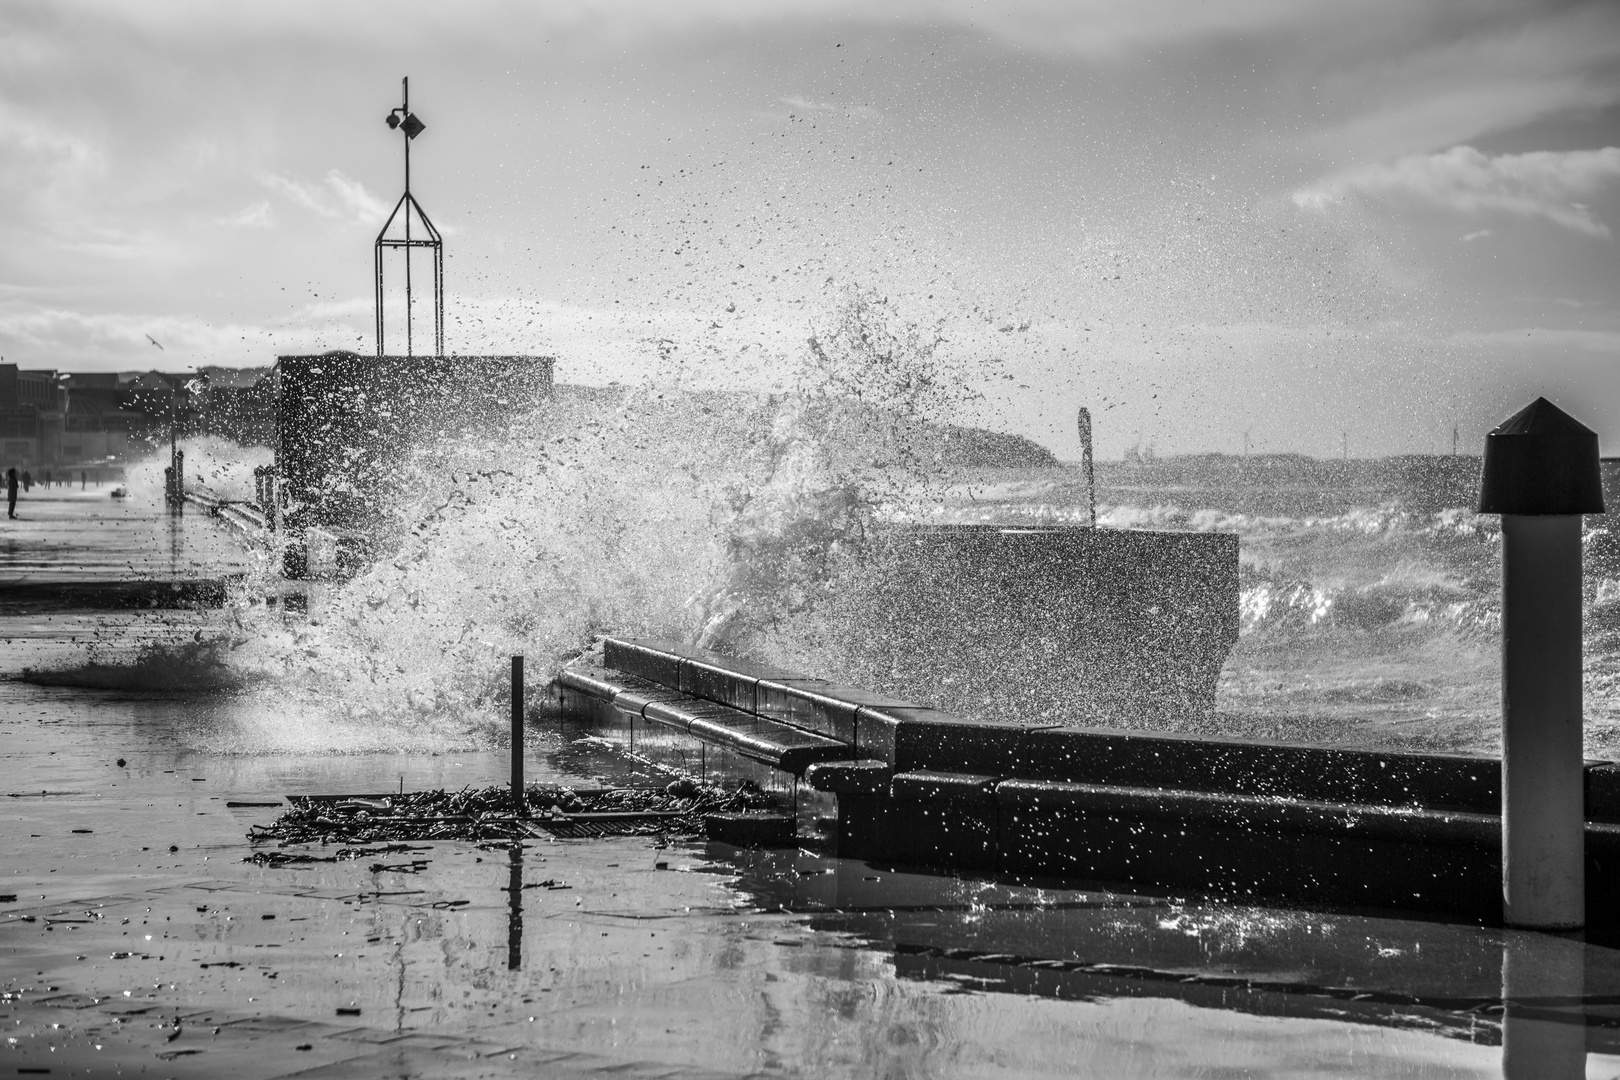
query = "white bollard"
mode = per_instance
[
  {"x": 1541, "y": 474},
  {"x": 1543, "y": 810}
]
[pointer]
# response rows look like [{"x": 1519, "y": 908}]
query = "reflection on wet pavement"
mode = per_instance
[
  {"x": 593, "y": 956},
  {"x": 68, "y": 535}
]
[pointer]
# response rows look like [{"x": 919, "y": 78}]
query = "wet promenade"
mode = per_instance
[
  {"x": 74, "y": 535},
  {"x": 140, "y": 936}
]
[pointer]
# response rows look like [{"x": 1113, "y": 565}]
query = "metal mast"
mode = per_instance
[{"x": 405, "y": 121}]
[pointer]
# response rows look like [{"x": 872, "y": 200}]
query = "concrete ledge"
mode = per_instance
[
  {"x": 922, "y": 738},
  {"x": 870, "y": 778},
  {"x": 595, "y": 682},
  {"x": 654, "y": 661},
  {"x": 1145, "y": 811},
  {"x": 938, "y": 787},
  {"x": 779, "y": 745},
  {"x": 1602, "y": 791},
  {"x": 728, "y": 681},
  {"x": 1216, "y": 764},
  {"x": 639, "y": 700},
  {"x": 813, "y": 704},
  {"x": 1401, "y": 824}
]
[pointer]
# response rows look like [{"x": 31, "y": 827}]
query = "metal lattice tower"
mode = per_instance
[{"x": 405, "y": 121}]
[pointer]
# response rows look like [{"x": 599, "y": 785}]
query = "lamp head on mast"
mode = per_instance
[{"x": 400, "y": 118}]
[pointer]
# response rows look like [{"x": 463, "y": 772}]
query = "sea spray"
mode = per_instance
[{"x": 650, "y": 511}]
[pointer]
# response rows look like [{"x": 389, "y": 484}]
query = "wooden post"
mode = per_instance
[
  {"x": 519, "y": 806},
  {"x": 1541, "y": 474}
]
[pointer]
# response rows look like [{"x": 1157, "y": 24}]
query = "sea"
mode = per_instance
[{"x": 1369, "y": 589}]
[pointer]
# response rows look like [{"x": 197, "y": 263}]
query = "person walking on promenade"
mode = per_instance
[
  {"x": 28, "y": 481},
  {"x": 11, "y": 492}
]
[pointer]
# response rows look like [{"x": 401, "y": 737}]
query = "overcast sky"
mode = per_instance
[{"x": 1296, "y": 219}]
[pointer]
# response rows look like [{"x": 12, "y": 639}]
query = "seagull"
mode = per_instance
[{"x": 155, "y": 341}]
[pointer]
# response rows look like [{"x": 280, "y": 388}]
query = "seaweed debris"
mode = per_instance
[{"x": 482, "y": 814}]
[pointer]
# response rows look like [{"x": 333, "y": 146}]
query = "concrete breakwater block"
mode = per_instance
[
  {"x": 344, "y": 421},
  {"x": 1051, "y": 625}
]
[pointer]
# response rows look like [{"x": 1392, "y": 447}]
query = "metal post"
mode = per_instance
[
  {"x": 406, "y": 91},
  {"x": 438, "y": 300},
  {"x": 514, "y": 910},
  {"x": 172, "y": 476},
  {"x": 518, "y": 803},
  {"x": 1085, "y": 463},
  {"x": 1541, "y": 474}
]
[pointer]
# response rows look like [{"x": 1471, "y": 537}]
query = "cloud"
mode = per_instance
[
  {"x": 256, "y": 216},
  {"x": 1604, "y": 343},
  {"x": 1477, "y": 234},
  {"x": 1544, "y": 184},
  {"x": 43, "y": 154},
  {"x": 73, "y": 339},
  {"x": 799, "y": 103},
  {"x": 1422, "y": 83},
  {"x": 337, "y": 197},
  {"x": 355, "y": 200},
  {"x": 1083, "y": 27}
]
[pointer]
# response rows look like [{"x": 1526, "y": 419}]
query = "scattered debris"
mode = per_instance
[
  {"x": 415, "y": 866},
  {"x": 275, "y": 859},
  {"x": 477, "y": 814}
]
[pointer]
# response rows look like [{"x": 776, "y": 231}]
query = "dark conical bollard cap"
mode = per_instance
[{"x": 1541, "y": 460}]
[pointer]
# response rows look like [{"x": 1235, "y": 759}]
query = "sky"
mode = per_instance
[{"x": 1303, "y": 226}]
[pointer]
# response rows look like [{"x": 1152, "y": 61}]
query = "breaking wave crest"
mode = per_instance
[{"x": 649, "y": 511}]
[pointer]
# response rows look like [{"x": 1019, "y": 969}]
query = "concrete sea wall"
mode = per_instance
[{"x": 1128, "y": 810}]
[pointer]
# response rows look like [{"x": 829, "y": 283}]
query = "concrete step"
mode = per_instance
[{"x": 781, "y": 746}]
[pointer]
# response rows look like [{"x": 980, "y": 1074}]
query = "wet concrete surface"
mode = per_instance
[
  {"x": 136, "y": 939},
  {"x": 65, "y": 535}
]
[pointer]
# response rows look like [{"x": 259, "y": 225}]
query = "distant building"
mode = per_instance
[
  {"x": 54, "y": 418},
  {"x": 238, "y": 404},
  {"x": 32, "y": 404}
]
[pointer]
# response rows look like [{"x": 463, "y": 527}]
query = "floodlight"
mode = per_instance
[
  {"x": 393, "y": 120},
  {"x": 413, "y": 126}
]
